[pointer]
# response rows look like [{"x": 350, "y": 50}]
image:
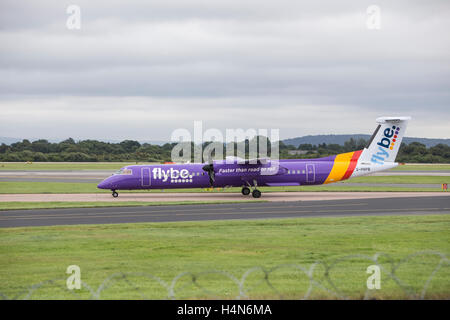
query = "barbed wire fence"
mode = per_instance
[{"x": 243, "y": 288}]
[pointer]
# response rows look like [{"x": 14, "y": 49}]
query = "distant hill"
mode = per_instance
[
  {"x": 342, "y": 138},
  {"x": 9, "y": 140}
]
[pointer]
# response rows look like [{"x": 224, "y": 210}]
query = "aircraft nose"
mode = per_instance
[{"x": 104, "y": 184}]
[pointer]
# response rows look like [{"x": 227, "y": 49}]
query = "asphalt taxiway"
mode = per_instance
[
  {"x": 245, "y": 210},
  {"x": 209, "y": 196}
]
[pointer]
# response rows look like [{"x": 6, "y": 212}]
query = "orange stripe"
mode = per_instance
[
  {"x": 340, "y": 167},
  {"x": 352, "y": 165}
]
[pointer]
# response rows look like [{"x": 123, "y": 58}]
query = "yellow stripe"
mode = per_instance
[{"x": 340, "y": 166}]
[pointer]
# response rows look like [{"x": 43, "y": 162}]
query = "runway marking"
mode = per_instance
[
  {"x": 224, "y": 213},
  {"x": 167, "y": 210},
  {"x": 318, "y": 205},
  {"x": 324, "y": 211},
  {"x": 120, "y": 212}
]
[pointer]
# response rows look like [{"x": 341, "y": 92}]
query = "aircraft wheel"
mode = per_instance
[
  {"x": 256, "y": 194},
  {"x": 245, "y": 191},
  {"x": 115, "y": 194}
]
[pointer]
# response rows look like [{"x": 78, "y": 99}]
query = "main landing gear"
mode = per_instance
[
  {"x": 255, "y": 193},
  {"x": 114, "y": 193},
  {"x": 245, "y": 191}
]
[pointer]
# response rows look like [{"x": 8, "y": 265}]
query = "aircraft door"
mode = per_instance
[
  {"x": 145, "y": 177},
  {"x": 310, "y": 172}
]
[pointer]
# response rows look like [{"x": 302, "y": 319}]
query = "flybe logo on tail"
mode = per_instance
[{"x": 386, "y": 143}]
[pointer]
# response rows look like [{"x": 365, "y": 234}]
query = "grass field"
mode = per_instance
[
  {"x": 422, "y": 167},
  {"x": 32, "y": 255},
  {"x": 400, "y": 179},
  {"x": 111, "y": 166}
]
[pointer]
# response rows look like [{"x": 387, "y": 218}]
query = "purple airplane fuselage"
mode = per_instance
[
  {"x": 170, "y": 176},
  {"x": 378, "y": 155}
]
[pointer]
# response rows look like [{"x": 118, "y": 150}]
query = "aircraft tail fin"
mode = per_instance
[{"x": 384, "y": 144}]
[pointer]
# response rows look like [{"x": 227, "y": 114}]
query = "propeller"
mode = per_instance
[{"x": 210, "y": 169}]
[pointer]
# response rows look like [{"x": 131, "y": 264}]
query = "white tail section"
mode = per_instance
[{"x": 384, "y": 144}]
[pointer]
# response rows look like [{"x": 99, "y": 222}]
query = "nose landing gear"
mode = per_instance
[{"x": 114, "y": 193}]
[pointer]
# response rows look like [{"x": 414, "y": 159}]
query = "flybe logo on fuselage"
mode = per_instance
[
  {"x": 164, "y": 175},
  {"x": 386, "y": 143}
]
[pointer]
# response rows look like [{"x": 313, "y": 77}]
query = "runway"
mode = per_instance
[
  {"x": 245, "y": 210},
  {"x": 209, "y": 196}
]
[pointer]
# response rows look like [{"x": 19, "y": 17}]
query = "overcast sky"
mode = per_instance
[{"x": 141, "y": 69}]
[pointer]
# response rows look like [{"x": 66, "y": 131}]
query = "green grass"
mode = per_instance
[
  {"x": 16, "y": 205},
  {"x": 400, "y": 179},
  {"x": 31, "y": 255},
  {"x": 49, "y": 187},
  {"x": 10, "y": 187},
  {"x": 422, "y": 167}
]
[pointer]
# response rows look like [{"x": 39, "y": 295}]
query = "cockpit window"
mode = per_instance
[{"x": 124, "y": 171}]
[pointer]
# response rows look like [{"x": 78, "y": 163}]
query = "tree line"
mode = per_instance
[
  {"x": 130, "y": 150},
  {"x": 414, "y": 152}
]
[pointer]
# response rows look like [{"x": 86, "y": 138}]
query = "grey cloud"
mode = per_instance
[{"x": 250, "y": 57}]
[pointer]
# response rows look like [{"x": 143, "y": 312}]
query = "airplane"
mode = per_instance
[{"x": 378, "y": 155}]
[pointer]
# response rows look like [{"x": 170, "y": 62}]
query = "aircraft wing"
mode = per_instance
[
  {"x": 254, "y": 161},
  {"x": 238, "y": 160},
  {"x": 246, "y": 167}
]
